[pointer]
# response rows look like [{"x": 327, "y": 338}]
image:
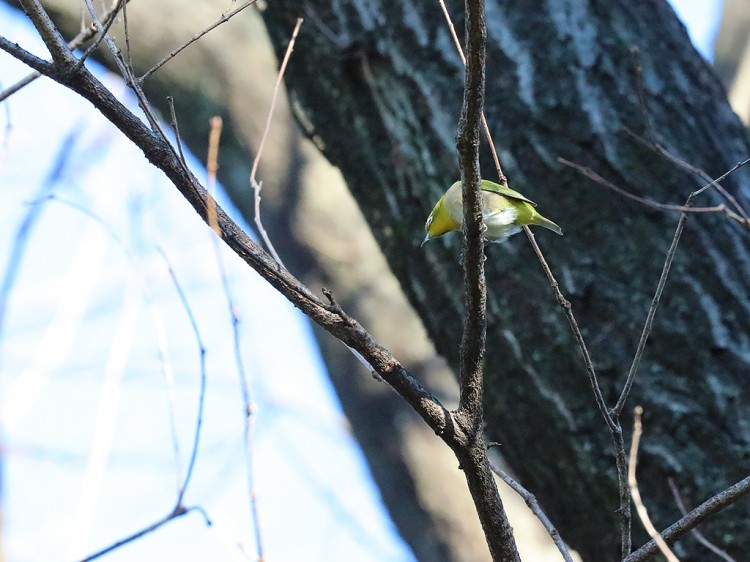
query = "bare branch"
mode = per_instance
[
  {"x": 591, "y": 174},
  {"x": 179, "y": 512},
  {"x": 176, "y": 128},
  {"x": 473, "y": 454},
  {"x": 212, "y": 166},
  {"x": 86, "y": 34},
  {"x": 223, "y": 19},
  {"x": 202, "y": 392},
  {"x": 693, "y": 519},
  {"x": 108, "y": 18},
  {"x": 695, "y": 532},
  {"x": 636, "y": 494},
  {"x": 29, "y": 59},
  {"x": 253, "y": 181},
  {"x": 501, "y": 176},
  {"x": 612, "y": 423},
  {"x": 536, "y": 509},
  {"x": 61, "y": 54}
]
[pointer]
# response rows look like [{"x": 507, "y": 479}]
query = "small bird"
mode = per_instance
[{"x": 504, "y": 213}]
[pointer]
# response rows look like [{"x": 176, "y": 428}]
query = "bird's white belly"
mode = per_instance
[{"x": 500, "y": 224}]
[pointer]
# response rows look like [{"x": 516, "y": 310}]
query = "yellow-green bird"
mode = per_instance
[{"x": 505, "y": 211}]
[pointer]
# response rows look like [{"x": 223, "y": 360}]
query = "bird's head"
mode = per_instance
[{"x": 439, "y": 222}]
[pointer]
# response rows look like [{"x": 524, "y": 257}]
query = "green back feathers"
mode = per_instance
[
  {"x": 526, "y": 212},
  {"x": 504, "y": 190}
]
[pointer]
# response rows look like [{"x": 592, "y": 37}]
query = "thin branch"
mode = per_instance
[
  {"x": 472, "y": 453},
  {"x": 535, "y": 508},
  {"x": 179, "y": 512},
  {"x": 592, "y": 175},
  {"x": 475, "y": 298},
  {"x": 61, "y": 54},
  {"x": 253, "y": 181},
  {"x": 501, "y": 176},
  {"x": 202, "y": 393},
  {"x": 613, "y": 424},
  {"x": 660, "y": 289},
  {"x": 664, "y": 153},
  {"x": 636, "y": 494},
  {"x": 126, "y": 28},
  {"x": 212, "y": 167},
  {"x": 108, "y": 18},
  {"x": 679, "y": 529},
  {"x": 29, "y": 59},
  {"x": 176, "y": 129},
  {"x": 223, "y": 19},
  {"x": 648, "y": 325},
  {"x": 695, "y": 532}
]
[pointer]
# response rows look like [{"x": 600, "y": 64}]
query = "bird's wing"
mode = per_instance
[{"x": 504, "y": 190}]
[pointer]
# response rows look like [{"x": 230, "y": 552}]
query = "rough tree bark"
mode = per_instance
[{"x": 378, "y": 86}]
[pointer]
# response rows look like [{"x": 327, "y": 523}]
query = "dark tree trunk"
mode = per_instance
[{"x": 380, "y": 84}]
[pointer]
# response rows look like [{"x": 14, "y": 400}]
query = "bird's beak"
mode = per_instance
[{"x": 426, "y": 238}]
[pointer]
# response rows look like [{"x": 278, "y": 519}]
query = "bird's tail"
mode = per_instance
[{"x": 539, "y": 220}]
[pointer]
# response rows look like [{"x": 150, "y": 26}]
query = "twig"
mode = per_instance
[
  {"x": 660, "y": 289},
  {"x": 612, "y": 422},
  {"x": 501, "y": 176},
  {"x": 535, "y": 508},
  {"x": 126, "y": 72},
  {"x": 664, "y": 153},
  {"x": 589, "y": 173},
  {"x": 61, "y": 54},
  {"x": 202, "y": 362},
  {"x": 693, "y": 519},
  {"x": 253, "y": 181},
  {"x": 695, "y": 532},
  {"x": 146, "y": 530},
  {"x": 86, "y": 34},
  {"x": 212, "y": 167},
  {"x": 648, "y": 325},
  {"x": 107, "y": 20},
  {"x": 126, "y": 28},
  {"x": 636, "y": 494},
  {"x": 175, "y": 126},
  {"x": 223, "y": 19}
]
